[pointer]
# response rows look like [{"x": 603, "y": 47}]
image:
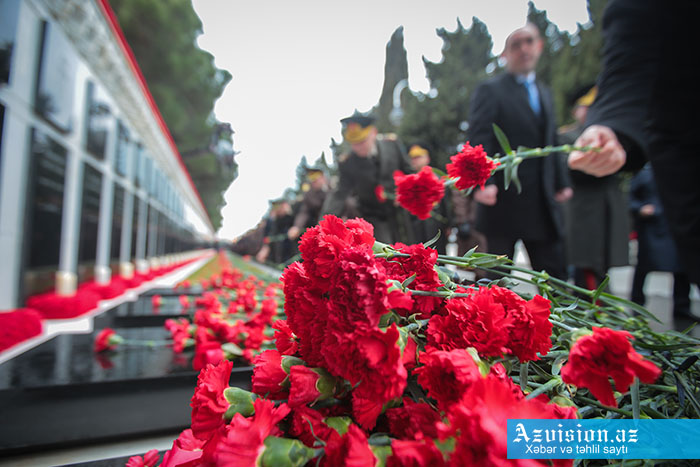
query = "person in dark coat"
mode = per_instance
[
  {"x": 597, "y": 221},
  {"x": 647, "y": 108},
  {"x": 656, "y": 249},
  {"x": 522, "y": 107},
  {"x": 311, "y": 204},
  {"x": 367, "y": 168},
  {"x": 439, "y": 222},
  {"x": 277, "y": 247}
]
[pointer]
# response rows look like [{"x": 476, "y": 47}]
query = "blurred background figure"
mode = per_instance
[
  {"x": 597, "y": 221},
  {"x": 277, "y": 247},
  {"x": 424, "y": 230},
  {"x": 367, "y": 171},
  {"x": 309, "y": 211},
  {"x": 522, "y": 107},
  {"x": 656, "y": 249}
]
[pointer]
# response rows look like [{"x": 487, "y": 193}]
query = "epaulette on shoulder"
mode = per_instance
[
  {"x": 343, "y": 157},
  {"x": 388, "y": 136}
]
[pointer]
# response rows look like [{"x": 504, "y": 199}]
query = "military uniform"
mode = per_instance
[{"x": 360, "y": 176}]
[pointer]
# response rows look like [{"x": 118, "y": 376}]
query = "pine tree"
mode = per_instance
[{"x": 185, "y": 83}]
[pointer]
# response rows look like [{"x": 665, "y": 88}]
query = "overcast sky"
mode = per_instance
[{"x": 300, "y": 66}]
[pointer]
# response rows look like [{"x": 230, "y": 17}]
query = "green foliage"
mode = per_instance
[
  {"x": 184, "y": 82},
  {"x": 395, "y": 71}
]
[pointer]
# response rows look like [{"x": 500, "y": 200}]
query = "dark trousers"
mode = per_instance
[
  {"x": 681, "y": 290},
  {"x": 547, "y": 255}
]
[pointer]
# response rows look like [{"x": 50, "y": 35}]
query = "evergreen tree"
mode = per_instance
[
  {"x": 185, "y": 83},
  {"x": 395, "y": 72}
]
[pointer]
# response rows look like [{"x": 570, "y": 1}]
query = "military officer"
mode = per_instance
[
  {"x": 311, "y": 203},
  {"x": 364, "y": 172}
]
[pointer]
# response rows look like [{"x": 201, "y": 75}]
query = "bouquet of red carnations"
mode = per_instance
[{"x": 384, "y": 359}]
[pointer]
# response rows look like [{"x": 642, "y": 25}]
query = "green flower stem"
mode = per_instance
[
  {"x": 415, "y": 326},
  {"x": 587, "y": 400},
  {"x": 144, "y": 343},
  {"x": 689, "y": 392},
  {"x": 552, "y": 383},
  {"x": 634, "y": 394}
]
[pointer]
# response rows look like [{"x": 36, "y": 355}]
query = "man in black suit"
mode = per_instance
[
  {"x": 647, "y": 107},
  {"x": 522, "y": 107},
  {"x": 366, "y": 170}
]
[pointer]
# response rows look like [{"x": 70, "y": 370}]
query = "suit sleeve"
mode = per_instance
[{"x": 629, "y": 62}]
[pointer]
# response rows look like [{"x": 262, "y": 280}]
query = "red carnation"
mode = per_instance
[
  {"x": 479, "y": 422},
  {"x": 186, "y": 451},
  {"x": 268, "y": 375},
  {"x": 413, "y": 420},
  {"x": 471, "y": 167},
  {"x": 477, "y": 321},
  {"x": 379, "y": 193},
  {"x": 244, "y": 440},
  {"x": 376, "y": 362},
  {"x": 107, "y": 339},
  {"x": 309, "y": 385},
  {"x": 421, "y": 265},
  {"x": 415, "y": 453},
  {"x": 150, "y": 459},
  {"x": 208, "y": 402},
  {"x": 358, "y": 294},
  {"x": 446, "y": 375},
  {"x": 530, "y": 331},
  {"x": 285, "y": 341},
  {"x": 607, "y": 353},
  {"x": 308, "y": 424},
  {"x": 321, "y": 245},
  {"x": 351, "y": 449},
  {"x": 418, "y": 193}
]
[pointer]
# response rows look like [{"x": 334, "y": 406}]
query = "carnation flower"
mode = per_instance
[
  {"x": 479, "y": 422},
  {"x": 418, "y": 193},
  {"x": 419, "y": 453},
  {"x": 243, "y": 442},
  {"x": 607, "y": 353},
  {"x": 446, "y": 375},
  {"x": 320, "y": 246},
  {"x": 351, "y": 449},
  {"x": 477, "y": 321},
  {"x": 471, "y": 167},
  {"x": 358, "y": 294},
  {"x": 208, "y": 402},
  {"x": 285, "y": 341},
  {"x": 186, "y": 451},
  {"x": 107, "y": 339},
  {"x": 150, "y": 459},
  {"x": 268, "y": 375},
  {"x": 530, "y": 330},
  {"x": 309, "y": 385},
  {"x": 413, "y": 420}
]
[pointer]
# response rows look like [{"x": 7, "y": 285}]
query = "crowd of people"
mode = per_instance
[{"x": 573, "y": 219}]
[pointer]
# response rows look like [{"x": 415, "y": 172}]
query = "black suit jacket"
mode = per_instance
[
  {"x": 648, "y": 93},
  {"x": 533, "y": 214}
]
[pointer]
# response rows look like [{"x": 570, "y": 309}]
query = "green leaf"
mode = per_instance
[
  {"x": 433, "y": 240},
  {"x": 502, "y": 139}
]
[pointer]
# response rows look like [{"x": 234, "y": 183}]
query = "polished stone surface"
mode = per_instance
[{"x": 61, "y": 392}]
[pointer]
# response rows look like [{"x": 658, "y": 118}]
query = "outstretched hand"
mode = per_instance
[{"x": 607, "y": 160}]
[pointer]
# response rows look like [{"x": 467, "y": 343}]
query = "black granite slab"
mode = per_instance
[{"x": 61, "y": 393}]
